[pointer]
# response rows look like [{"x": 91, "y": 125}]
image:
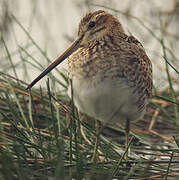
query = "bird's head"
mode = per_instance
[{"x": 94, "y": 26}]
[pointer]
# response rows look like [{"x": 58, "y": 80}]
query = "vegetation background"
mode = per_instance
[{"x": 41, "y": 136}]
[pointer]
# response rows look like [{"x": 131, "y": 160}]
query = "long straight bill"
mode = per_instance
[{"x": 56, "y": 62}]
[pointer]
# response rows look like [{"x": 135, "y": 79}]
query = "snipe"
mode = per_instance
[{"x": 110, "y": 71}]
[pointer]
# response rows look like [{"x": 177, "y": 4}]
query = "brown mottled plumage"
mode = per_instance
[
  {"x": 110, "y": 71},
  {"x": 107, "y": 54}
]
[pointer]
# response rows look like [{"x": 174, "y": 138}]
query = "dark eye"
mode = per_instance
[{"x": 92, "y": 24}]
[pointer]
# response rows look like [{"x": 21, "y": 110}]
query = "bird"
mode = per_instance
[{"x": 110, "y": 71}]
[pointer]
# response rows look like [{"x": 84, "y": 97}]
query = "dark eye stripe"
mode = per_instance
[{"x": 99, "y": 29}]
